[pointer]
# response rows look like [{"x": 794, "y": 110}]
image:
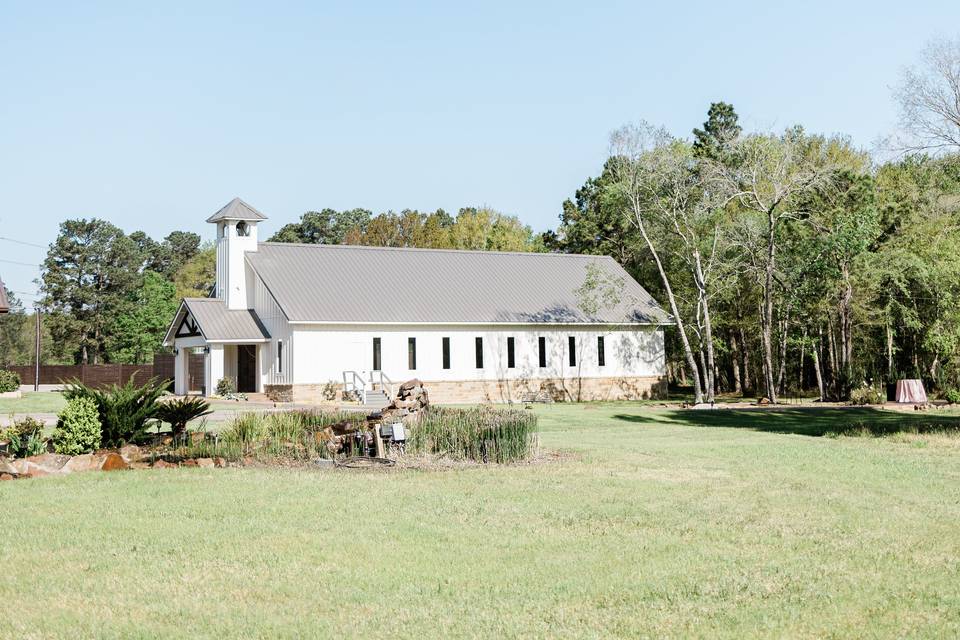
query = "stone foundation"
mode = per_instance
[{"x": 501, "y": 391}]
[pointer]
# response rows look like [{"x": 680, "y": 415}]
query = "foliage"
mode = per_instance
[
  {"x": 867, "y": 395},
  {"x": 181, "y": 411},
  {"x": 137, "y": 331},
  {"x": 196, "y": 277},
  {"x": 480, "y": 434},
  {"x": 78, "y": 427},
  {"x": 291, "y": 434},
  {"x": 125, "y": 412},
  {"x": 226, "y": 386},
  {"x": 952, "y": 396},
  {"x": 24, "y": 437},
  {"x": 9, "y": 381}
]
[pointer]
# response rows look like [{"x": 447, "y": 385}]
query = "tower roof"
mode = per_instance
[{"x": 236, "y": 209}]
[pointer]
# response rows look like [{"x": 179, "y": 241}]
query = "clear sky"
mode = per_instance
[{"x": 153, "y": 115}]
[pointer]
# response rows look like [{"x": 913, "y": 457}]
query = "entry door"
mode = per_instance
[{"x": 246, "y": 368}]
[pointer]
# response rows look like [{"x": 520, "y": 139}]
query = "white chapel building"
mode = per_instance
[{"x": 314, "y": 323}]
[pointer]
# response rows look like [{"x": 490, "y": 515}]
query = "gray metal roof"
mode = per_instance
[
  {"x": 236, "y": 209},
  {"x": 219, "y": 324},
  {"x": 352, "y": 284}
]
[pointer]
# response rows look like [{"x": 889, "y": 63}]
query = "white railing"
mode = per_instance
[
  {"x": 386, "y": 384},
  {"x": 353, "y": 382}
]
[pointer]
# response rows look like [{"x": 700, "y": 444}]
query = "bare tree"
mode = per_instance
[
  {"x": 929, "y": 99},
  {"x": 658, "y": 182}
]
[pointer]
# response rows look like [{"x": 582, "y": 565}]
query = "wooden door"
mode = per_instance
[{"x": 246, "y": 368}]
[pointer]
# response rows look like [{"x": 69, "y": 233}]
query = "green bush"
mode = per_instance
[
  {"x": 78, "y": 427},
  {"x": 226, "y": 387},
  {"x": 952, "y": 396},
  {"x": 179, "y": 412},
  {"x": 9, "y": 381},
  {"x": 24, "y": 438},
  {"x": 125, "y": 412},
  {"x": 867, "y": 395},
  {"x": 481, "y": 434}
]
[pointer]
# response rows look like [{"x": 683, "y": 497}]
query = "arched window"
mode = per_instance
[{"x": 243, "y": 230}]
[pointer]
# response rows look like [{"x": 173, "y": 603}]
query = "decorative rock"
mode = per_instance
[
  {"x": 197, "y": 436},
  {"x": 114, "y": 462},
  {"x": 85, "y": 462},
  {"x": 49, "y": 462},
  {"x": 190, "y": 463},
  {"x": 219, "y": 462},
  {"x": 163, "y": 464},
  {"x": 207, "y": 463},
  {"x": 7, "y": 476},
  {"x": 131, "y": 453},
  {"x": 6, "y": 467}
]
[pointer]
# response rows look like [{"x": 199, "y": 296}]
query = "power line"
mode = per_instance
[
  {"x": 26, "y": 244},
  {"x": 22, "y": 264}
]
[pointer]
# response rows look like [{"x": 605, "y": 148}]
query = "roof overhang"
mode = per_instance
[{"x": 210, "y": 320}]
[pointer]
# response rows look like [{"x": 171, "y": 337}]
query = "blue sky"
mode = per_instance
[{"x": 154, "y": 115}]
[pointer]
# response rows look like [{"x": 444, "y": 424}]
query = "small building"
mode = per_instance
[
  {"x": 311, "y": 322},
  {"x": 4, "y": 302}
]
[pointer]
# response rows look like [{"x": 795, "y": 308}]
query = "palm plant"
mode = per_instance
[
  {"x": 125, "y": 411},
  {"x": 179, "y": 412}
]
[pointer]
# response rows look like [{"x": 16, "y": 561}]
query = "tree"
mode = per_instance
[
  {"x": 89, "y": 272},
  {"x": 137, "y": 331},
  {"x": 197, "y": 276},
  {"x": 929, "y": 99},
  {"x": 14, "y": 340},
  {"x": 326, "y": 226}
]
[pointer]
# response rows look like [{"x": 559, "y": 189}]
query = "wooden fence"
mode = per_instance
[{"x": 105, "y": 375}]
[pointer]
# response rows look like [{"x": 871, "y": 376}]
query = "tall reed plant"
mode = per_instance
[{"x": 481, "y": 434}]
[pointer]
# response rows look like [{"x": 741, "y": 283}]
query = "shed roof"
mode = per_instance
[
  {"x": 236, "y": 209},
  {"x": 217, "y": 323},
  {"x": 377, "y": 285}
]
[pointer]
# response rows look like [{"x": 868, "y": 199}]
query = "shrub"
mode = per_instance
[
  {"x": 125, "y": 412},
  {"x": 481, "y": 434},
  {"x": 9, "y": 381},
  {"x": 952, "y": 396},
  {"x": 867, "y": 395},
  {"x": 245, "y": 429},
  {"x": 179, "y": 412},
  {"x": 24, "y": 438},
  {"x": 226, "y": 387},
  {"x": 78, "y": 427}
]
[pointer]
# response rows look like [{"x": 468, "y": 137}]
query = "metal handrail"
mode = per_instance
[
  {"x": 386, "y": 384},
  {"x": 352, "y": 385}
]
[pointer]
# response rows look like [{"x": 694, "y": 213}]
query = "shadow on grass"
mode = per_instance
[{"x": 806, "y": 421}]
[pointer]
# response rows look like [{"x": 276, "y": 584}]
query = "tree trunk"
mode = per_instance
[
  {"x": 890, "y": 374},
  {"x": 735, "y": 362},
  {"x": 815, "y": 354},
  {"x": 707, "y": 328},
  {"x": 803, "y": 347},
  {"x": 687, "y": 350},
  {"x": 767, "y": 316}
]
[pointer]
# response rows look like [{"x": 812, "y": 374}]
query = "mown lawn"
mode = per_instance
[
  {"x": 33, "y": 402},
  {"x": 651, "y": 523}
]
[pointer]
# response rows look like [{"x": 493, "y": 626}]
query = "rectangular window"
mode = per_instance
[
  {"x": 279, "y": 356},
  {"x": 376, "y": 354},
  {"x": 446, "y": 353},
  {"x": 478, "y": 343},
  {"x": 511, "y": 361},
  {"x": 572, "y": 348},
  {"x": 542, "y": 350},
  {"x": 411, "y": 353},
  {"x": 601, "y": 354}
]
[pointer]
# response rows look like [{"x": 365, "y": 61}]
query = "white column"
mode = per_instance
[
  {"x": 213, "y": 371},
  {"x": 180, "y": 374}
]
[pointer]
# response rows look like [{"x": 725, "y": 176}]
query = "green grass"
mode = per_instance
[
  {"x": 651, "y": 523},
  {"x": 33, "y": 402}
]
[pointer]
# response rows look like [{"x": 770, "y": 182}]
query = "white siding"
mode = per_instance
[
  {"x": 325, "y": 352},
  {"x": 266, "y": 308}
]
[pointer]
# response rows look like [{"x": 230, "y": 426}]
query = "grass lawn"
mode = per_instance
[
  {"x": 652, "y": 523},
  {"x": 33, "y": 402}
]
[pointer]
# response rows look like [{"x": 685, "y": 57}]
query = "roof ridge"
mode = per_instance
[{"x": 437, "y": 250}]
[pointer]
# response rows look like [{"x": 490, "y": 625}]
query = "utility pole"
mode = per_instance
[{"x": 36, "y": 371}]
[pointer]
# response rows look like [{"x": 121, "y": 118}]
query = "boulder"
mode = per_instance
[
  {"x": 206, "y": 463},
  {"x": 130, "y": 453},
  {"x": 190, "y": 463},
  {"x": 219, "y": 462},
  {"x": 114, "y": 462},
  {"x": 163, "y": 464},
  {"x": 7, "y": 476},
  {"x": 49, "y": 462},
  {"x": 6, "y": 467},
  {"x": 85, "y": 462}
]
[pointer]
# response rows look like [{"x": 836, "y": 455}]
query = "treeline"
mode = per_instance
[{"x": 792, "y": 262}]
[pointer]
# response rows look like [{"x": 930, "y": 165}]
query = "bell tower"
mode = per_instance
[{"x": 236, "y": 235}]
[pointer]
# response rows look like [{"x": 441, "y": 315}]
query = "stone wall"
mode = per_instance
[{"x": 472, "y": 391}]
